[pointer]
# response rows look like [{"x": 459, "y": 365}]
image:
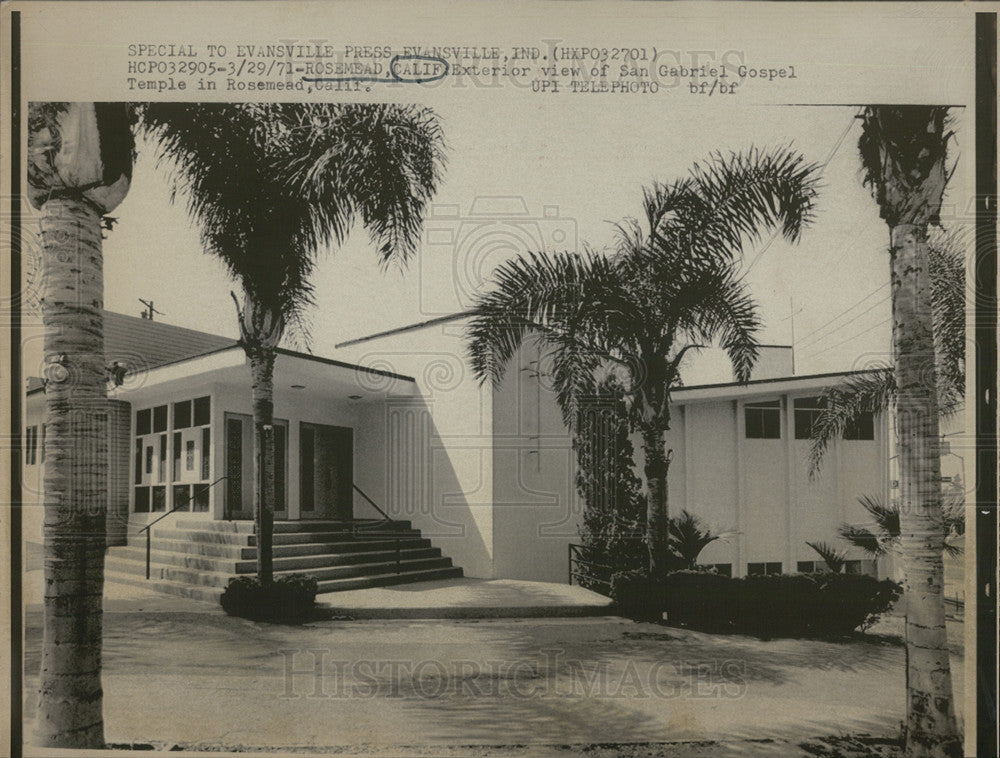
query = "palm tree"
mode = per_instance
[
  {"x": 904, "y": 154},
  {"x": 270, "y": 185},
  {"x": 669, "y": 287},
  {"x": 875, "y": 392},
  {"x": 79, "y": 168}
]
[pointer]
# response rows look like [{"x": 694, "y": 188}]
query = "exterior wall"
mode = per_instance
[
  {"x": 438, "y": 463},
  {"x": 537, "y": 512},
  {"x": 759, "y": 490}
]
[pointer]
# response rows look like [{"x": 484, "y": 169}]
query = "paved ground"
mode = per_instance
[
  {"x": 468, "y": 598},
  {"x": 179, "y": 672}
]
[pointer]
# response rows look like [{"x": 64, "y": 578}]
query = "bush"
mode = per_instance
[
  {"x": 786, "y": 605},
  {"x": 287, "y": 598}
]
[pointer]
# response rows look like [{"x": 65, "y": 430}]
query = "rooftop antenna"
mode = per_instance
[{"x": 150, "y": 310}]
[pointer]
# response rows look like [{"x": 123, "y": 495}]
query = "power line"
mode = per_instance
[
  {"x": 843, "y": 312},
  {"x": 846, "y": 324},
  {"x": 822, "y": 167},
  {"x": 853, "y": 336}
]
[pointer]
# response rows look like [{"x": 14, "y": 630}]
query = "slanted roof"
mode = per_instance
[
  {"x": 141, "y": 344},
  {"x": 145, "y": 343}
]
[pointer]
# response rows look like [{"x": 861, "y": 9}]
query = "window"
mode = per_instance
[
  {"x": 307, "y": 446},
  {"x": 862, "y": 429},
  {"x": 203, "y": 411},
  {"x": 30, "y": 445},
  {"x": 182, "y": 415},
  {"x": 206, "y": 449},
  {"x": 172, "y": 455},
  {"x": 160, "y": 418},
  {"x": 807, "y": 412},
  {"x": 725, "y": 569},
  {"x": 762, "y": 569},
  {"x": 763, "y": 420},
  {"x": 41, "y": 446}
]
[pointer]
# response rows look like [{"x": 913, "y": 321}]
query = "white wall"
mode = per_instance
[{"x": 437, "y": 468}]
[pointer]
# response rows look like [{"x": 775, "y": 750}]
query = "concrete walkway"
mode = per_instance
[{"x": 467, "y": 598}]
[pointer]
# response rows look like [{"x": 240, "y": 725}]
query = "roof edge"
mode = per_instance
[{"x": 406, "y": 328}]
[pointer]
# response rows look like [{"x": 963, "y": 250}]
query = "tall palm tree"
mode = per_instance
[
  {"x": 875, "y": 392},
  {"x": 669, "y": 287},
  {"x": 79, "y": 168},
  {"x": 904, "y": 153},
  {"x": 270, "y": 185}
]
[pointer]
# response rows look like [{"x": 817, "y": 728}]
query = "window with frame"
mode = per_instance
[
  {"x": 172, "y": 463},
  {"x": 725, "y": 569},
  {"x": 763, "y": 420},
  {"x": 807, "y": 411},
  {"x": 763, "y": 569},
  {"x": 862, "y": 429},
  {"x": 31, "y": 446}
]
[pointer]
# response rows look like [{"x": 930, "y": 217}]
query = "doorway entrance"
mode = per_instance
[
  {"x": 326, "y": 472},
  {"x": 240, "y": 471}
]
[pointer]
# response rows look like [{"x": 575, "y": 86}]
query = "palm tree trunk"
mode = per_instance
[
  {"x": 655, "y": 468},
  {"x": 70, "y": 708},
  {"x": 931, "y": 726},
  {"x": 262, "y": 372}
]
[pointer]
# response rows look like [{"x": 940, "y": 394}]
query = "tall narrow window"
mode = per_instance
[
  {"x": 177, "y": 456},
  {"x": 159, "y": 419},
  {"x": 182, "y": 415},
  {"x": 162, "y": 472},
  {"x": 206, "y": 448},
  {"x": 138, "y": 462}
]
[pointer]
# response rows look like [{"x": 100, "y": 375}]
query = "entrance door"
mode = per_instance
[
  {"x": 326, "y": 472},
  {"x": 240, "y": 467}
]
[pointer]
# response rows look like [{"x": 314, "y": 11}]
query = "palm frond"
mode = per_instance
[
  {"x": 834, "y": 559},
  {"x": 845, "y": 403}
]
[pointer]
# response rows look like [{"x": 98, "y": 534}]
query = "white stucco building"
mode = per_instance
[{"x": 487, "y": 475}]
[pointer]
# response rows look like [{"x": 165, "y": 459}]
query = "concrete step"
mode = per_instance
[
  {"x": 385, "y": 580},
  {"x": 232, "y": 565},
  {"x": 210, "y": 537},
  {"x": 200, "y": 577},
  {"x": 317, "y": 525},
  {"x": 198, "y": 592}
]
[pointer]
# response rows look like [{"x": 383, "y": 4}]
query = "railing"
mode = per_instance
[
  {"x": 576, "y": 560},
  {"x": 184, "y": 506},
  {"x": 386, "y": 521}
]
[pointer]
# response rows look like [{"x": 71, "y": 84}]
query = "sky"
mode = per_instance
[{"x": 561, "y": 173}]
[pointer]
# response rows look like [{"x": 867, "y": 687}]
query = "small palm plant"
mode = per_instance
[
  {"x": 687, "y": 538},
  {"x": 834, "y": 559}
]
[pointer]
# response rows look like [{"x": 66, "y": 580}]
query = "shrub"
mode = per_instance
[
  {"x": 287, "y": 598},
  {"x": 787, "y": 605}
]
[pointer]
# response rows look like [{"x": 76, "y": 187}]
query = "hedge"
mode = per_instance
[
  {"x": 288, "y": 598},
  {"x": 785, "y": 605}
]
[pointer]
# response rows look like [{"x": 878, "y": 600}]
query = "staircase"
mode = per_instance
[{"x": 197, "y": 558}]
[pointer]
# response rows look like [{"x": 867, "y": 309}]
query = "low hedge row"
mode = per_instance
[
  {"x": 288, "y": 598},
  {"x": 785, "y": 605}
]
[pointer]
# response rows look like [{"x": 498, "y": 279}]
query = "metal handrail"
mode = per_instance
[
  {"x": 146, "y": 528},
  {"x": 372, "y": 503},
  {"x": 386, "y": 519},
  {"x": 572, "y": 554}
]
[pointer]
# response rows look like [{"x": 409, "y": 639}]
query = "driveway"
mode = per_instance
[{"x": 179, "y": 672}]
